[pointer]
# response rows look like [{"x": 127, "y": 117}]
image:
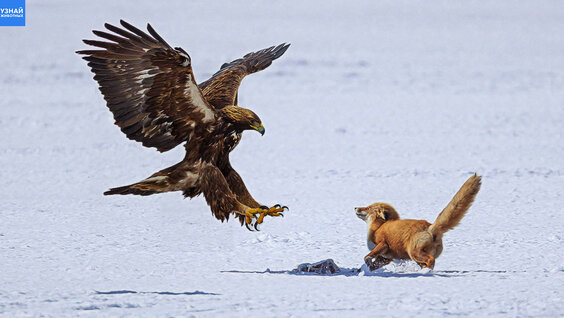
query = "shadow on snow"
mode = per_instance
[
  {"x": 347, "y": 272},
  {"x": 121, "y": 292}
]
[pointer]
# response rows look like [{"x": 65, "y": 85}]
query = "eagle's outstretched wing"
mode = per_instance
[
  {"x": 221, "y": 89},
  {"x": 149, "y": 86}
]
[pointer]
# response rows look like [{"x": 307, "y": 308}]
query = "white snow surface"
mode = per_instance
[{"x": 393, "y": 101}]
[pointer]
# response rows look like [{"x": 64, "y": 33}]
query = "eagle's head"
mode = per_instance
[{"x": 242, "y": 118}]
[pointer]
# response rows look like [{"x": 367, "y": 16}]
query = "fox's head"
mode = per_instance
[{"x": 381, "y": 211}]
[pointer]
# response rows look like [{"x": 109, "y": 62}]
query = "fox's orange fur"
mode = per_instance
[{"x": 391, "y": 238}]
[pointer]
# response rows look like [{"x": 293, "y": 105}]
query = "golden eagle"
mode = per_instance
[{"x": 151, "y": 91}]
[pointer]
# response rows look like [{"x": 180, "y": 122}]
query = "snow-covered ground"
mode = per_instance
[{"x": 395, "y": 101}]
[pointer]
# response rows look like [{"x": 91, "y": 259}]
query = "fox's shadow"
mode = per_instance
[
  {"x": 378, "y": 273},
  {"x": 352, "y": 272}
]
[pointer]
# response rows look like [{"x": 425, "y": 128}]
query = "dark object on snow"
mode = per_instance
[{"x": 327, "y": 266}]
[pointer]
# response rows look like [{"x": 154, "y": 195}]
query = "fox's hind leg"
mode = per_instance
[
  {"x": 423, "y": 249},
  {"x": 423, "y": 259}
]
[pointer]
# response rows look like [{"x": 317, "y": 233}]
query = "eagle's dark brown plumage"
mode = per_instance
[{"x": 151, "y": 91}]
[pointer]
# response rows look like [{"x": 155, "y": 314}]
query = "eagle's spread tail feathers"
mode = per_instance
[
  {"x": 148, "y": 186},
  {"x": 179, "y": 177},
  {"x": 128, "y": 190}
]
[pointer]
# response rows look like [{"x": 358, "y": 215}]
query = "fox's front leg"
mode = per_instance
[
  {"x": 374, "y": 259},
  {"x": 375, "y": 263}
]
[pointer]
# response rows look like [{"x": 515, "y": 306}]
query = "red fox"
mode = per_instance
[{"x": 391, "y": 238}]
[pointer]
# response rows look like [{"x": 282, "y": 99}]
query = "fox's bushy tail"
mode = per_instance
[{"x": 457, "y": 207}]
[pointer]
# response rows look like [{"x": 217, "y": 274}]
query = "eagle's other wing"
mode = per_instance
[
  {"x": 148, "y": 86},
  {"x": 220, "y": 90}
]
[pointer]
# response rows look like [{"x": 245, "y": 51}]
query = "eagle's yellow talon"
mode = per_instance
[{"x": 261, "y": 212}]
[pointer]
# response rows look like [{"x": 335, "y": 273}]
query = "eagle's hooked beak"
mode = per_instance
[{"x": 260, "y": 129}]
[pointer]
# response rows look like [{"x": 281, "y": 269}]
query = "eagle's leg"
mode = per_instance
[
  {"x": 238, "y": 188},
  {"x": 223, "y": 201},
  {"x": 219, "y": 196}
]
